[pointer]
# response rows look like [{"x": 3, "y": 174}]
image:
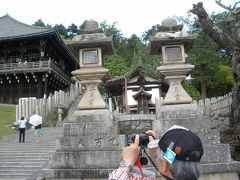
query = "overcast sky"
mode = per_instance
[{"x": 132, "y": 16}]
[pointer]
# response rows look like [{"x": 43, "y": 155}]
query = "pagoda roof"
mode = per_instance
[
  {"x": 142, "y": 92},
  {"x": 12, "y": 29}
]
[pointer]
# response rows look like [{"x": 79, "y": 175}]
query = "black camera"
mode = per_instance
[{"x": 143, "y": 139}]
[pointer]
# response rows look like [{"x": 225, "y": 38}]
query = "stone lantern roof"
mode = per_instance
[
  {"x": 170, "y": 33},
  {"x": 91, "y": 37}
]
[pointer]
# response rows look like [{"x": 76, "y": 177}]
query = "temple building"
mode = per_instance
[
  {"x": 34, "y": 61},
  {"x": 137, "y": 92}
]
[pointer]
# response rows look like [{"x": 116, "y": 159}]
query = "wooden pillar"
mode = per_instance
[
  {"x": 5, "y": 53},
  {"x": 39, "y": 89},
  {"x": 46, "y": 86},
  {"x": 42, "y": 49},
  {"x": 126, "y": 99},
  {"x": 20, "y": 89},
  {"x": 22, "y": 52},
  {"x": 11, "y": 93}
]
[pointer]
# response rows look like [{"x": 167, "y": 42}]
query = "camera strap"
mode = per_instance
[{"x": 150, "y": 159}]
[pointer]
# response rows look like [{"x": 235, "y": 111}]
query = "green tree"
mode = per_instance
[
  {"x": 150, "y": 62},
  {"x": 192, "y": 91},
  {"x": 210, "y": 68},
  {"x": 39, "y": 23},
  {"x": 150, "y": 32},
  {"x": 222, "y": 82},
  {"x": 72, "y": 30},
  {"x": 120, "y": 43},
  {"x": 60, "y": 28},
  {"x": 116, "y": 64},
  {"x": 208, "y": 57}
]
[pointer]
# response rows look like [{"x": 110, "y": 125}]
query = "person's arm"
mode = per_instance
[
  {"x": 119, "y": 174},
  {"x": 130, "y": 155}
]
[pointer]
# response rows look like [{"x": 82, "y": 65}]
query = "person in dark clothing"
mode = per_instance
[{"x": 22, "y": 122}]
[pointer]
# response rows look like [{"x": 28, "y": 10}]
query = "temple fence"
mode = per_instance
[{"x": 44, "y": 106}]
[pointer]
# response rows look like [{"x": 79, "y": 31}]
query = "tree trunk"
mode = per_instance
[
  {"x": 203, "y": 89},
  {"x": 230, "y": 44}
]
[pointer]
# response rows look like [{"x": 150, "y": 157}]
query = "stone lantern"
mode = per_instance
[
  {"x": 172, "y": 43},
  {"x": 90, "y": 46}
]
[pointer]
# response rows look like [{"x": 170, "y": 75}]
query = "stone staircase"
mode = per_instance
[{"x": 19, "y": 161}]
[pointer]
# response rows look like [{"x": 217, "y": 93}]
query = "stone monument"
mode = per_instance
[
  {"x": 90, "y": 147},
  {"x": 90, "y": 46},
  {"x": 177, "y": 107}
]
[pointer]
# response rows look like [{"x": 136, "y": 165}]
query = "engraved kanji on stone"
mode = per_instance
[
  {"x": 79, "y": 143},
  {"x": 91, "y": 95},
  {"x": 177, "y": 96},
  {"x": 98, "y": 142},
  {"x": 114, "y": 141}
]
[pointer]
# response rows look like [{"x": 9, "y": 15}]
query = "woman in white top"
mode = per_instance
[{"x": 22, "y": 126}]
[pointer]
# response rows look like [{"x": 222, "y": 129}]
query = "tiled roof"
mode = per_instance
[{"x": 10, "y": 28}]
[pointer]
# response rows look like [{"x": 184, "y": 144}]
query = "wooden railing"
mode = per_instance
[
  {"x": 37, "y": 66},
  {"x": 25, "y": 66}
]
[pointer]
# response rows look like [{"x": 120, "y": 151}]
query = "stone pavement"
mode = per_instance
[{"x": 18, "y": 161}]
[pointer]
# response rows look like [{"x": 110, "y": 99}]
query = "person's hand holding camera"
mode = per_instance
[
  {"x": 130, "y": 154},
  {"x": 152, "y": 136}
]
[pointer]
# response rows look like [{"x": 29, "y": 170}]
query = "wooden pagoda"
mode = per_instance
[{"x": 34, "y": 61}]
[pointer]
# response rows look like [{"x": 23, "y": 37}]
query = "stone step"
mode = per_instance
[
  {"x": 22, "y": 154},
  {"x": 23, "y": 159},
  {"x": 4, "y": 176},
  {"x": 13, "y": 177},
  {"x": 216, "y": 153},
  {"x": 27, "y": 163},
  {"x": 19, "y": 161},
  {"x": 8, "y": 178},
  {"x": 42, "y": 149},
  {"x": 16, "y": 171},
  {"x": 7, "y": 166}
]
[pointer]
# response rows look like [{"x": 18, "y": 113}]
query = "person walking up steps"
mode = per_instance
[
  {"x": 38, "y": 133},
  {"x": 22, "y": 122}
]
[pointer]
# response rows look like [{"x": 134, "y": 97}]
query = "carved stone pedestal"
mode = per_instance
[
  {"x": 174, "y": 74},
  {"x": 91, "y": 78},
  {"x": 88, "y": 148}
]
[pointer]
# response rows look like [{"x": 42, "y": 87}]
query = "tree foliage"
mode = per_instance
[
  {"x": 60, "y": 28},
  {"x": 209, "y": 58},
  {"x": 39, "y": 23},
  {"x": 72, "y": 30},
  {"x": 116, "y": 65}
]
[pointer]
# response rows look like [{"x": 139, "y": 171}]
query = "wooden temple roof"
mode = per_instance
[
  {"x": 136, "y": 76},
  {"x": 11, "y": 30},
  {"x": 142, "y": 92}
]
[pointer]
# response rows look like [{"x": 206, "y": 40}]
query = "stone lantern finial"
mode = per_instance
[
  {"x": 170, "y": 24},
  {"x": 91, "y": 26}
]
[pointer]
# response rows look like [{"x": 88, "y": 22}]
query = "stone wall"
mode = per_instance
[
  {"x": 218, "y": 109},
  {"x": 27, "y": 106}
]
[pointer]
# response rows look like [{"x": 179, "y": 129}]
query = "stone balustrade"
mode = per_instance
[{"x": 218, "y": 109}]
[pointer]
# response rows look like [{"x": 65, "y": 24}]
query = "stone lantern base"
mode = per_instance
[
  {"x": 174, "y": 74},
  {"x": 91, "y": 78}
]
